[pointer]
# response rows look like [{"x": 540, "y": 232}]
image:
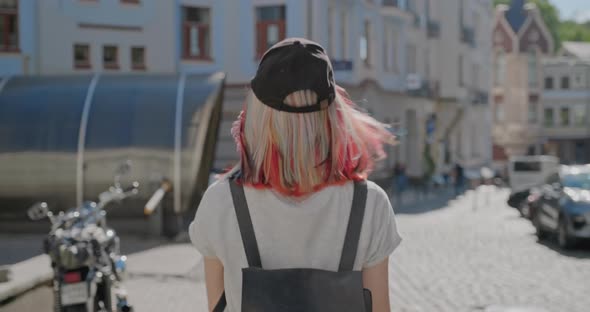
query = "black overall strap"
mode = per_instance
[
  {"x": 245, "y": 224},
  {"x": 246, "y": 230},
  {"x": 220, "y": 306},
  {"x": 355, "y": 222}
]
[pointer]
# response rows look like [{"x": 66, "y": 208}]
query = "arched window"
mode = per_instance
[
  {"x": 500, "y": 68},
  {"x": 532, "y": 67}
]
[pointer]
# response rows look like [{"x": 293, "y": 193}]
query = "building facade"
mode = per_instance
[
  {"x": 520, "y": 40},
  {"x": 110, "y": 36},
  {"x": 462, "y": 61},
  {"x": 565, "y": 118},
  {"x": 419, "y": 65},
  {"x": 396, "y": 58}
]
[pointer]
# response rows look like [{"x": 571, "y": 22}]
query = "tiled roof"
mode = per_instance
[{"x": 516, "y": 15}]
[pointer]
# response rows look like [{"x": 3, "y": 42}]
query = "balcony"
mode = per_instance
[
  {"x": 478, "y": 97},
  {"x": 433, "y": 29},
  {"x": 342, "y": 65},
  {"x": 468, "y": 36},
  {"x": 416, "y": 86},
  {"x": 393, "y": 3}
]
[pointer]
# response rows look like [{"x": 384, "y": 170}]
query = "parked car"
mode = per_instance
[{"x": 564, "y": 206}]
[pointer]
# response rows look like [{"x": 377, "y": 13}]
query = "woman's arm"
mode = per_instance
[
  {"x": 213, "y": 281},
  {"x": 376, "y": 279}
]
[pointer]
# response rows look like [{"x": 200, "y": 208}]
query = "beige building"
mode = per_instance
[
  {"x": 106, "y": 36},
  {"x": 565, "y": 118},
  {"x": 520, "y": 40}
]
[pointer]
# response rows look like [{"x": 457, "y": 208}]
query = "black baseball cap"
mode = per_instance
[{"x": 294, "y": 64}]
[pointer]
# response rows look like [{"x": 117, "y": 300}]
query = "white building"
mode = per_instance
[
  {"x": 106, "y": 36},
  {"x": 398, "y": 59},
  {"x": 565, "y": 118}
]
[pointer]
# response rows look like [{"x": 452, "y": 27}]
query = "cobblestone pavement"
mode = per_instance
[
  {"x": 467, "y": 257},
  {"x": 455, "y": 256}
]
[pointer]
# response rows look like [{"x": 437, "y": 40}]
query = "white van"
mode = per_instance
[{"x": 525, "y": 172}]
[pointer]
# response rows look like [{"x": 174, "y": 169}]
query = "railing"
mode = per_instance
[
  {"x": 468, "y": 36},
  {"x": 479, "y": 97},
  {"x": 427, "y": 89},
  {"x": 342, "y": 65},
  {"x": 433, "y": 29}
]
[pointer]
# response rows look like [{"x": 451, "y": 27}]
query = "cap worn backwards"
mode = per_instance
[{"x": 294, "y": 64}]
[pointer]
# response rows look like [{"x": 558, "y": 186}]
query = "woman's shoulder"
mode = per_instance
[{"x": 376, "y": 192}]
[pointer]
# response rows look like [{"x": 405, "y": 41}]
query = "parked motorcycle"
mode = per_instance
[{"x": 85, "y": 256}]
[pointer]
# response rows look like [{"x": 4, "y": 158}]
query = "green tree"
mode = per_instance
[
  {"x": 550, "y": 15},
  {"x": 572, "y": 31}
]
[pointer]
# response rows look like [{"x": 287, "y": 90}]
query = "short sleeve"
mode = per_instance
[
  {"x": 385, "y": 237},
  {"x": 198, "y": 230}
]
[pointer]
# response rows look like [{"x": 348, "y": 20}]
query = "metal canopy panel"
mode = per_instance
[
  {"x": 39, "y": 122},
  {"x": 39, "y": 114},
  {"x": 130, "y": 118},
  {"x": 132, "y": 111}
]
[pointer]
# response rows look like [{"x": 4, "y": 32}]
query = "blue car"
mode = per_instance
[{"x": 563, "y": 208}]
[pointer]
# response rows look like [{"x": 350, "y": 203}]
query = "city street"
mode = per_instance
[{"x": 454, "y": 257}]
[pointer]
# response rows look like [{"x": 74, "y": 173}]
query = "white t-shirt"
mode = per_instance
[{"x": 291, "y": 234}]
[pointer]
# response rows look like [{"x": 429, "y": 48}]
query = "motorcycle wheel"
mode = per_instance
[{"x": 103, "y": 294}]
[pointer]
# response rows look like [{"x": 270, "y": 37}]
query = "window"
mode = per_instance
[
  {"x": 344, "y": 35},
  {"x": 461, "y": 18},
  {"x": 138, "y": 58},
  {"x": 81, "y": 56},
  {"x": 548, "y": 117},
  {"x": 548, "y": 83},
  {"x": 527, "y": 166},
  {"x": 331, "y": 36},
  {"x": 110, "y": 57},
  {"x": 8, "y": 25},
  {"x": 460, "y": 70},
  {"x": 579, "y": 114},
  {"x": 532, "y": 68},
  {"x": 426, "y": 63},
  {"x": 565, "y": 82},
  {"x": 500, "y": 69},
  {"x": 533, "y": 108},
  {"x": 270, "y": 27},
  {"x": 411, "y": 58},
  {"x": 564, "y": 116},
  {"x": 389, "y": 48},
  {"x": 196, "y": 33},
  {"x": 365, "y": 44},
  {"x": 474, "y": 80},
  {"x": 499, "y": 112}
]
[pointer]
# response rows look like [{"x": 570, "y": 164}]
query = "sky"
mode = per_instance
[{"x": 578, "y": 10}]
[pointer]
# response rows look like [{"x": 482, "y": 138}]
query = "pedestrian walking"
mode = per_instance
[
  {"x": 459, "y": 179},
  {"x": 296, "y": 225},
  {"x": 400, "y": 182}
]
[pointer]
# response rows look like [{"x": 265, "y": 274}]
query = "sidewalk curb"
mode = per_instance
[{"x": 26, "y": 275}]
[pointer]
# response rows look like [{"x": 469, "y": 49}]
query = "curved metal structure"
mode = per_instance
[{"x": 62, "y": 139}]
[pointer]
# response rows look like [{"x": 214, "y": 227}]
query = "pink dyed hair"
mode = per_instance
[{"x": 298, "y": 154}]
